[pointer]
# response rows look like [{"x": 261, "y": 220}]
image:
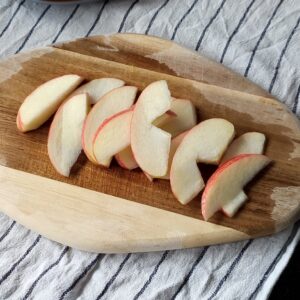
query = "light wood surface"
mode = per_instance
[
  {"x": 98, "y": 222},
  {"x": 163, "y": 56},
  {"x": 117, "y": 200}
]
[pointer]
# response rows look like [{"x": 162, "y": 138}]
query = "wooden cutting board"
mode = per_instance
[{"x": 114, "y": 210}]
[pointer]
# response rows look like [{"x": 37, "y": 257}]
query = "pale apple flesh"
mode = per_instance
[
  {"x": 186, "y": 117},
  {"x": 224, "y": 189},
  {"x": 64, "y": 140},
  {"x": 126, "y": 158},
  {"x": 232, "y": 207},
  {"x": 151, "y": 145},
  {"x": 112, "y": 137},
  {"x": 111, "y": 103},
  {"x": 247, "y": 143},
  {"x": 175, "y": 142},
  {"x": 43, "y": 102},
  {"x": 97, "y": 88},
  {"x": 205, "y": 143}
]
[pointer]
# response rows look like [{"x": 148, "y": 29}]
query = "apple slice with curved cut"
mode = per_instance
[
  {"x": 43, "y": 102},
  {"x": 112, "y": 136},
  {"x": 125, "y": 157},
  {"x": 64, "y": 139},
  {"x": 151, "y": 145},
  {"x": 247, "y": 143},
  {"x": 97, "y": 88},
  {"x": 175, "y": 142},
  {"x": 186, "y": 117},
  {"x": 111, "y": 103},
  {"x": 204, "y": 143},
  {"x": 224, "y": 189}
]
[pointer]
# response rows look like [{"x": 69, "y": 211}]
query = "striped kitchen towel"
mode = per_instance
[{"x": 257, "y": 38}]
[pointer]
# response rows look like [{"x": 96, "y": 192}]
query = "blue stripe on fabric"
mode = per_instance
[
  {"x": 7, "y": 231},
  {"x": 12, "y": 18},
  {"x": 32, "y": 29},
  {"x": 13, "y": 267},
  {"x": 97, "y": 18},
  {"x": 81, "y": 276},
  {"x": 142, "y": 290},
  {"x": 113, "y": 278},
  {"x": 261, "y": 38},
  {"x": 231, "y": 268},
  {"x": 275, "y": 261},
  {"x": 186, "y": 279},
  {"x": 281, "y": 55},
  {"x": 182, "y": 19},
  {"x": 235, "y": 31},
  {"x": 66, "y": 23},
  {"x": 155, "y": 15},
  {"x": 208, "y": 24},
  {"x": 294, "y": 109},
  {"x": 126, "y": 15},
  {"x": 30, "y": 290}
]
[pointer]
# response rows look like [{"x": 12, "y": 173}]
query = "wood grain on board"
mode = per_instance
[{"x": 274, "y": 196}]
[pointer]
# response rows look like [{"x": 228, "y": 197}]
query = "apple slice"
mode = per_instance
[
  {"x": 224, "y": 189},
  {"x": 112, "y": 136},
  {"x": 126, "y": 159},
  {"x": 186, "y": 117},
  {"x": 98, "y": 87},
  {"x": 111, "y": 103},
  {"x": 174, "y": 145},
  {"x": 42, "y": 103},
  {"x": 64, "y": 140},
  {"x": 204, "y": 143},
  {"x": 247, "y": 143},
  {"x": 151, "y": 145}
]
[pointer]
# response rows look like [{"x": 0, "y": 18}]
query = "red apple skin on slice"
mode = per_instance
[
  {"x": 42, "y": 103},
  {"x": 204, "y": 143},
  {"x": 19, "y": 123},
  {"x": 224, "y": 189},
  {"x": 247, "y": 143},
  {"x": 151, "y": 145},
  {"x": 126, "y": 159},
  {"x": 97, "y": 88},
  {"x": 111, "y": 103},
  {"x": 112, "y": 136},
  {"x": 64, "y": 139}
]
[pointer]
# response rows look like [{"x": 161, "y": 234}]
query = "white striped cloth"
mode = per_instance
[{"x": 257, "y": 38}]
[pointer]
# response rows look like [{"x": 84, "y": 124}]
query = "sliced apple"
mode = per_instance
[
  {"x": 247, "y": 143},
  {"x": 112, "y": 136},
  {"x": 42, "y": 103},
  {"x": 224, "y": 189},
  {"x": 151, "y": 145},
  {"x": 97, "y": 88},
  {"x": 186, "y": 117},
  {"x": 174, "y": 145},
  {"x": 204, "y": 143},
  {"x": 163, "y": 119},
  {"x": 111, "y": 103},
  {"x": 126, "y": 159},
  {"x": 64, "y": 140}
]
